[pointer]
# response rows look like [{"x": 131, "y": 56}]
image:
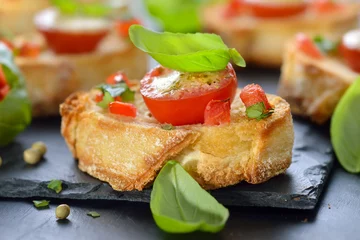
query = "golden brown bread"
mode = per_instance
[
  {"x": 261, "y": 41},
  {"x": 129, "y": 152},
  {"x": 51, "y": 78},
  {"x": 313, "y": 87}
]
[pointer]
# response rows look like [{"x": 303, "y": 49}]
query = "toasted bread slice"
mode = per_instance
[
  {"x": 129, "y": 152},
  {"x": 262, "y": 41},
  {"x": 51, "y": 78},
  {"x": 313, "y": 87}
]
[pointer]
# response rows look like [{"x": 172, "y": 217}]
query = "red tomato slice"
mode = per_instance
[
  {"x": 122, "y": 26},
  {"x": 118, "y": 78},
  {"x": 217, "y": 112},
  {"x": 181, "y": 98},
  {"x": 73, "y": 42},
  {"x": 4, "y": 91},
  {"x": 29, "y": 50},
  {"x": 351, "y": 56},
  {"x": 306, "y": 45},
  {"x": 99, "y": 97},
  {"x": 326, "y": 6},
  {"x": 3, "y": 81},
  {"x": 234, "y": 8},
  {"x": 253, "y": 94},
  {"x": 262, "y": 9},
  {"x": 125, "y": 109}
]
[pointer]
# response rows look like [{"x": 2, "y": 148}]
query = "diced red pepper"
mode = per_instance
[
  {"x": 122, "y": 26},
  {"x": 125, "y": 109},
  {"x": 29, "y": 50},
  {"x": 99, "y": 97},
  {"x": 306, "y": 45},
  {"x": 253, "y": 94},
  {"x": 118, "y": 78},
  {"x": 217, "y": 112},
  {"x": 326, "y": 6}
]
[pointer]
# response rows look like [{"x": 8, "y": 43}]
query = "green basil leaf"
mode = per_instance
[
  {"x": 55, "y": 185},
  {"x": 41, "y": 203},
  {"x": 106, "y": 100},
  {"x": 199, "y": 52},
  {"x": 73, "y": 7},
  {"x": 176, "y": 15},
  {"x": 93, "y": 214},
  {"x": 325, "y": 45},
  {"x": 15, "y": 108},
  {"x": 180, "y": 205},
  {"x": 119, "y": 89},
  {"x": 258, "y": 111},
  {"x": 345, "y": 129}
]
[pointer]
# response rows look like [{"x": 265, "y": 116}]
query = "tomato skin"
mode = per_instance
[
  {"x": 118, "y": 78},
  {"x": 306, "y": 45},
  {"x": 3, "y": 81},
  {"x": 261, "y": 10},
  {"x": 326, "y": 6},
  {"x": 252, "y": 94},
  {"x": 217, "y": 112},
  {"x": 99, "y": 97},
  {"x": 189, "y": 109},
  {"x": 4, "y": 86},
  {"x": 122, "y": 26},
  {"x": 72, "y": 43},
  {"x": 29, "y": 50},
  {"x": 351, "y": 56},
  {"x": 234, "y": 8},
  {"x": 120, "y": 108}
]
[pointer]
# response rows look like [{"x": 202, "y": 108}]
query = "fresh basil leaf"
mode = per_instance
[
  {"x": 258, "y": 111},
  {"x": 180, "y": 205},
  {"x": 237, "y": 58},
  {"x": 73, "y": 7},
  {"x": 199, "y": 52},
  {"x": 15, "y": 108},
  {"x": 176, "y": 15},
  {"x": 55, "y": 185},
  {"x": 93, "y": 214},
  {"x": 119, "y": 89},
  {"x": 325, "y": 45},
  {"x": 345, "y": 129},
  {"x": 41, "y": 203},
  {"x": 167, "y": 127},
  {"x": 106, "y": 100}
]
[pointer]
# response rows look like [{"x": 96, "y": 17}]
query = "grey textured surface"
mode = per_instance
[{"x": 299, "y": 188}]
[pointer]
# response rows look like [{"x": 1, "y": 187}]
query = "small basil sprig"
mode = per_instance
[
  {"x": 111, "y": 91},
  {"x": 345, "y": 129},
  {"x": 180, "y": 205},
  {"x": 325, "y": 45},
  {"x": 72, "y": 7},
  {"x": 199, "y": 52},
  {"x": 177, "y": 15},
  {"x": 15, "y": 108},
  {"x": 258, "y": 111}
]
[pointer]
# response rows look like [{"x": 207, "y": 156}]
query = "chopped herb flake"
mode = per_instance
[
  {"x": 55, "y": 185},
  {"x": 93, "y": 214},
  {"x": 41, "y": 204}
]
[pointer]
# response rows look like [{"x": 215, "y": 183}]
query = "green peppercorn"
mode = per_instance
[
  {"x": 62, "y": 211},
  {"x": 32, "y": 156},
  {"x": 40, "y": 146}
]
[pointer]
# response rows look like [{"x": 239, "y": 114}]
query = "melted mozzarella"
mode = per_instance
[
  {"x": 166, "y": 81},
  {"x": 351, "y": 39}
]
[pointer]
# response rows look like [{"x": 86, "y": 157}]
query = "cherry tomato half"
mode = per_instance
[
  {"x": 125, "y": 109},
  {"x": 306, "y": 45},
  {"x": 181, "y": 98},
  {"x": 252, "y": 94},
  {"x": 264, "y": 9},
  {"x": 122, "y": 26},
  {"x": 350, "y": 49},
  {"x": 217, "y": 112}
]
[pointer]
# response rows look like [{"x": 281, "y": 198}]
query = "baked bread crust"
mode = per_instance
[
  {"x": 313, "y": 87},
  {"x": 262, "y": 41},
  {"x": 51, "y": 78},
  {"x": 128, "y": 153}
]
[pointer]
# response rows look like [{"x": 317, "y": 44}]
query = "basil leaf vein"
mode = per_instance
[
  {"x": 199, "y": 52},
  {"x": 180, "y": 205},
  {"x": 345, "y": 129}
]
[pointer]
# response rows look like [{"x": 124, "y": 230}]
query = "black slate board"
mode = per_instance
[{"x": 299, "y": 188}]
